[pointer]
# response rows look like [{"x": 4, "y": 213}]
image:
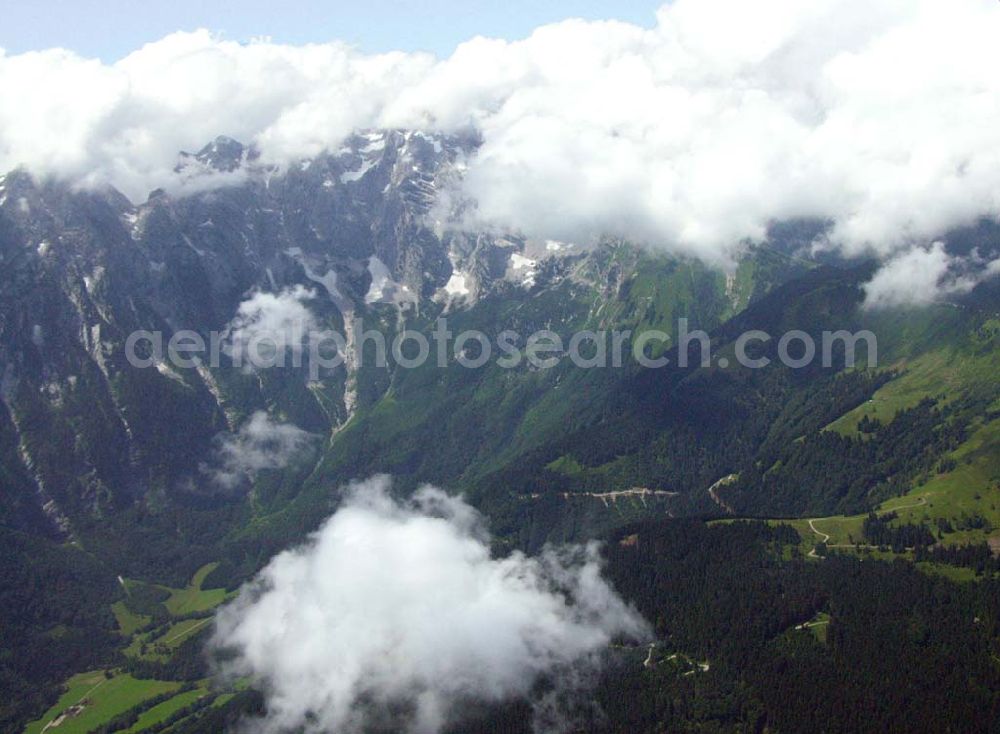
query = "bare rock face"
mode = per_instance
[{"x": 363, "y": 227}]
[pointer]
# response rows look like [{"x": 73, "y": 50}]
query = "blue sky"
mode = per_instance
[{"x": 111, "y": 28}]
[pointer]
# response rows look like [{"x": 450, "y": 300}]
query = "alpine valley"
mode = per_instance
[{"x": 815, "y": 549}]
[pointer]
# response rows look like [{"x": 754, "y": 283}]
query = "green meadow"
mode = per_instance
[
  {"x": 193, "y": 598},
  {"x": 94, "y": 698}
]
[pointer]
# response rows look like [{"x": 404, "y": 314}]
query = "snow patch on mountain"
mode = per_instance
[
  {"x": 383, "y": 288},
  {"x": 458, "y": 284},
  {"x": 357, "y": 175},
  {"x": 524, "y": 269}
]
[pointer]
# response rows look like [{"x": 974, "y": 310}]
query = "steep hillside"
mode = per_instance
[{"x": 134, "y": 499}]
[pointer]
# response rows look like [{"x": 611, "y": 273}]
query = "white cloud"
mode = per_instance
[
  {"x": 261, "y": 443},
  {"x": 924, "y": 275},
  {"x": 401, "y": 606},
  {"x": 882, "y": 116},
  {"x": 126, "y": 122},
  {"x": 269, "y": 325}
]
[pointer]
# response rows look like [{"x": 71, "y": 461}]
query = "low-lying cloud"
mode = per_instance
[
  {"x": 267, "y": 325},
  {"x": 881, "y": 116},
  {"x": 924, "y": 275},
  {"x": 400, "y": 607},
  {"x": 260, "y": 443}
]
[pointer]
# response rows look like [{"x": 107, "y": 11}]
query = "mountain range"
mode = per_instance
[{"x": 120, "y": 484}]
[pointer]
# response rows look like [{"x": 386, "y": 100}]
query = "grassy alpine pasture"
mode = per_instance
[
  {"x": 968, "y": 364},
  {"x": 967, "y": 489},
  {"x": 970, "y": 489},
  {"x": 159, "y": 643},
  {"x": 128, "y": 621},
  {"x": 963, "y": 494},
  {"x": 163, "y": 711},
  {"x": 92, "y": 699},
  {"x": 194, "y": 598},
  {"x": 933, "y": 375}
]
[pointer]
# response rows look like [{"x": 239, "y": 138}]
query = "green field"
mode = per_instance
[
  {"x": 964, "y": 491},
  {"x": 929, "y": 376},
  {"x": 842, "y": 530},
  {"x": 159, "y": 642},
  {"x": 181, "y": 631},
  {"x": 100, "y": 699},
  {"x": 957, "y": 574},
  {"x": 969, "y": 364},
  {"x": 169, "y": 638},
  {"x": 162, "y": 711},
  {"x": 194, "y": 598},
  {"x": 128, "y": 621},
  {"x": 972, "y": 488},
  {"x": 968, "y": 488},
  {"x": 957, "y": 494}
]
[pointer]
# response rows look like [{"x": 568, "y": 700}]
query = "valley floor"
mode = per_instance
[{"x": 127, "y": 698}]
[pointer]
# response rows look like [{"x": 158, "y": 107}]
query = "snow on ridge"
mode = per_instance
[
  {"x": 383, "y": 288},
  {"x": 519, "y": 261},
  {"x": 356, "y": 175},
  {"x": 458, "y": 284},
  {"x": 328, "y": 281},
  {"x": 524, "y": 267},
  {"x": 376, "y": 142}
]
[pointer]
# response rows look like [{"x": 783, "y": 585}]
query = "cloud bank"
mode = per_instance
[
  {"x": 881, "y": 116},
  {"x": 261, "y": 443},
  {"x": 399, "y": 607}
]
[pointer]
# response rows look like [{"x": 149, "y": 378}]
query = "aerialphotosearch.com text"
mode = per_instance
[{"x": 320, "y": 351}]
